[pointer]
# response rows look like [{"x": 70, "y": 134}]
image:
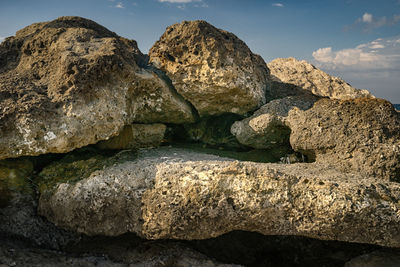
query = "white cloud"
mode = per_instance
[
  {"x": 181, "y": 4},
  {"x": 2, "y": 39},
  {"x": 278, "y": 4},
  {"x": 178, "y": 1},
  {"x": 367, "y": 18},
  {"x": 119, "y": 5},
  {"x": 380, "y": 54},
  {"x": 368, "y": 22}
]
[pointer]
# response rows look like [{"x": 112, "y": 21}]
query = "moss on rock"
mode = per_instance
[{"x": 14, "y": 178}]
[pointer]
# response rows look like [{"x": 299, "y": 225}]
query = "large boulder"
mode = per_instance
[
  {"x": 211, "y": 68},
  {"x": 267, "y": 128},
  {"x": 70, "y": 82},
  {"x": 360, "y": 135},
  {"x": 306, "y": 76},
  {"x": 173, "y": 193}
]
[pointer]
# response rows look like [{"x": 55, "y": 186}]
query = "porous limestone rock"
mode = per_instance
[
  {"x": 308, "y": 77},
  {"x": 136, "y": 136},
  {"x": 70, "y": 82},
  {"x": 359, "y": 135},
  {"x": 173, "y": 193},
  {"x": 267, "y": 127},
  {"x": 211, "y": 68}
]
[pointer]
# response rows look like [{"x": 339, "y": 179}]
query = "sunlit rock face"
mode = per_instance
[
  {"x": 70, "y": 82},
  {"x": 174, "y": 193},
  {"x": 306, "y": 76},
  {"x": 211, "y": 68}
]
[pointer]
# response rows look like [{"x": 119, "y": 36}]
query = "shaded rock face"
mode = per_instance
[
  {"x": 136, "y": 136},
  {"x": 360, "y": 135},
  {"x": 303, "y": 74},
  {"x": 173, "y": 193},
  {"x": 376, "y": 259},
  {"x": 70, "y": 82},
  {"x": 211, "y": 68},
  {"x": 107, "y": 253},
  {"x": 15, "y": 175},
  {"x": 267, "y": 128}
]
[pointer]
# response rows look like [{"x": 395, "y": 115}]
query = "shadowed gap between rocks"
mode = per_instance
[{"x": 238, "y": 247}]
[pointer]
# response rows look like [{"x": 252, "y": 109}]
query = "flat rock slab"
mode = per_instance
[{"x": 172, "y": 193}]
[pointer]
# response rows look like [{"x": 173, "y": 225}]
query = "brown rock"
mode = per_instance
[
  {"x": 211, "y": 68},
  {"x": 136, "y": 136},
  {"x": 359, "y": 135},
  {"x": 303, "y": 74},
  {"x": 70, "y": 82}
]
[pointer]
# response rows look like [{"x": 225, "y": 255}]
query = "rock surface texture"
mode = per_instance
[
  {"x": 211, "y": 68},
  {"x": 360, "y": 135},
  {"x": 136, "y": 136},
  {"x": 267, "y": 128},
  {"x": 71, "y": 82},
  {"x": 173, "y": 193},
  {"x": 308, "y": 77}
]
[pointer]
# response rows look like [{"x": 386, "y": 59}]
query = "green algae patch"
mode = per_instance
[
  {"x": 15, "y": 175},
  {"x": 78, "y": 165}
]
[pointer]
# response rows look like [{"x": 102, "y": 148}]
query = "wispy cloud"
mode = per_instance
[
  {"x": 380, "y": 54},
  {"x": 181, "y": 4},
  {"x": 278, "y": 4},
  {"x": 368, "y": 22},
  {"x": 178, "y": 1},
  {"x": 119, "y": 5},
  {"x": 374, "y": 65}
]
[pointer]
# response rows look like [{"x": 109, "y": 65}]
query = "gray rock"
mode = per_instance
[
  {"x": 267, "y": 127},
  {"x": 172, "y": 193},
  {"x": 377, "y": 258}
]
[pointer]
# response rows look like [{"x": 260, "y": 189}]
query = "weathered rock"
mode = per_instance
[
  {"x": 359, "y": 135},
  {"x": 376, "y": 259},
  {"x": 70, "y": 82},
  {"x": 211, "y": 68},
  {"x": 308, "y": 77},
  {"x": 172, "y": 193},
  {"x": 136, "y": 136},
  {"x": 267, "y": 127}
]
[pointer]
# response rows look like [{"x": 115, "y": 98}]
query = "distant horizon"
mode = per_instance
[{"x": 356, "y": 40}]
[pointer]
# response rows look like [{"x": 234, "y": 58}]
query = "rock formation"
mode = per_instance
[
  {"x": 171, "y": 193},
  {"x": 136, "y": 136},
  {"x": 71, "y": 82},
  {"x": 267, "y": 128},
  {"x": 80, "y": 106},
  {"x": 359, "y": 135},
  {"x": 308, "y": 77},
  {"x": 211, "y": 68}
]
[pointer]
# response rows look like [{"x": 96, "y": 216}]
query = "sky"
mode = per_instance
[{"x": 357, "y": 40}]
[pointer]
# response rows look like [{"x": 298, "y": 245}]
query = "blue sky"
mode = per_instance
[{"x": 358, "y": 40}]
